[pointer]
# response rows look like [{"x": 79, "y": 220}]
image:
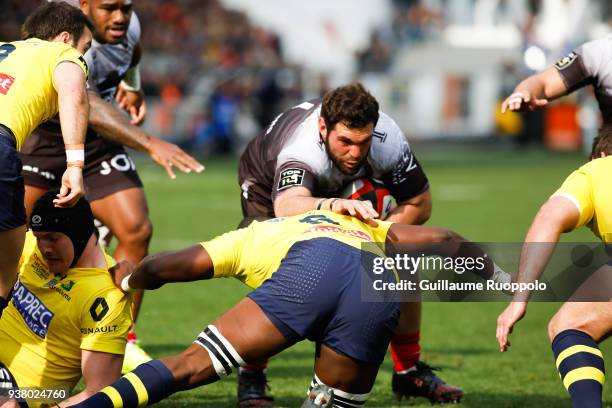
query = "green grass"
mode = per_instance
[{"x": 485, "y": 194}]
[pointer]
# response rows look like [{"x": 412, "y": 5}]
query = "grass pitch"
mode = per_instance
[{"x": 486, "y": 194}]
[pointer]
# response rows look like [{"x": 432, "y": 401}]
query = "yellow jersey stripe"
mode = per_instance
[
  {"x": 114, "y": 395},
  {"x": 141, "y": 390},
  {"x": 584, "y": 373},
  {"x": 579, "y": 348}
]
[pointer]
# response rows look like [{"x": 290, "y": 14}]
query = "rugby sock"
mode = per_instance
[
  {"x": 405, "y": 351},
  {"x": 581, "y": 367},
  {"x": 146, "y": 385}
]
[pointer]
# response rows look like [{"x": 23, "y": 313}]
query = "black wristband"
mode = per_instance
[
  {"x": 320, "y": 203},
  {"x": 331, "y": 203}
]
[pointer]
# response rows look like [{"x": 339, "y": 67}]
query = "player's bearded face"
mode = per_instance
[
  {"x": 111, "y": 18},
  {"x": 57, "y": 250},
  {"x": 347, "y": 147}
]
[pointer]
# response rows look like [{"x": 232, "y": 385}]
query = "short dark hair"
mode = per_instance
[
  {"x": 602, "y": 142},
  {"x": 351, "y": 105},
  {"x": 51, "y": 19}
]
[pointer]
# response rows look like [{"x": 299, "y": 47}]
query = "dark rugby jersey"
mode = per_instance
[
  {"x": 590, "y": 64},
  {"x": 290, "y": 153}
]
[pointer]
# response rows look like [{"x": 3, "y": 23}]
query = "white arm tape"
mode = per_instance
[
  {"x": 131, "y": 80},
  {"x": 125, "y": 286},
  {"x": 73, "y": 155}
]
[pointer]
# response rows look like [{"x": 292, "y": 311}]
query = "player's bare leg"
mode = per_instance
[
  {"x": 241, "y": 335},
  {"x": 575, "y": 332},
  {"x": 412, "y": 377},
  {"x": 32, "y": 194},
  {"x": 126, "y": 215},
  {"x": 11, "y": 246}
]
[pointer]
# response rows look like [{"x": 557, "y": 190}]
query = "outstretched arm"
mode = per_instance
[
  {"x": 556, "y": 216},
  {"x": 184, "y": 265},
  {"x": 535, "y": 91},
  {"x": 113, "y": 125}
]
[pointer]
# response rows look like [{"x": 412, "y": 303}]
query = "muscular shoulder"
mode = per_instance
[
  {"x": 388, "y": 144},
  {"x": 305, "y": 145}
]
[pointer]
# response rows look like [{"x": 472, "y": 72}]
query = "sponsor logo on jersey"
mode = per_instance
[
  {"x": 95, "y": 330},
  {"x": 566, "y": 61},
  {"x": 68, "y": 285},
  {"x": 382, "y": 136},
  {"x": 98, "y": 309},
  {"x": 338, "y": 230},
  {"x": 6, "y": 81},
  {"x": 36, "y": 315},
  {"x": 290, "y": 178}
]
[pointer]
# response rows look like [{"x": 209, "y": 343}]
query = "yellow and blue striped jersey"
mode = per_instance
[
  {"x": 589, "y": 188},
  {"x": 51, "y": 318},
  {"x": 27, "y": 94},
  {"x": 254, "y": 253}
]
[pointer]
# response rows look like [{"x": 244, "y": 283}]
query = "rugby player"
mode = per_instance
[
  {"x": 40, "y": 76},
  {"x": 584, "y": 199},
  {"x": 113, "y": 185},
  {"x": 301, "y": 162},
  {"x": 307, "y": 271},
  {"x": 66, "y": 319},
  {"x": 586, "y": 65}
]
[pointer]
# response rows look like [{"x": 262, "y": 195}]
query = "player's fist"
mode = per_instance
[
  {"x": 119, "y": 272},
  {"x": 506, "y": 321},
  {"x": 362, "y": 210},
  {"x": 522, "y": 101}
]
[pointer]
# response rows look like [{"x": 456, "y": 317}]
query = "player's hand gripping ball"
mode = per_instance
[{"x": 366, "y": 189}]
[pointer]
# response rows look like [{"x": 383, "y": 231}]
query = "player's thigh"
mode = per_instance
[
  {"x": 124, "y": 212},
  {"x": 589, "y": 308},
  {"x": 32, "y": 194},
  {"x": 593, "y": 318},
  {"x": 245, "y": 328},
  {"x": 342, "y": 372}
]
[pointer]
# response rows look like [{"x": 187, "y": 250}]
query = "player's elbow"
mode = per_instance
[
  {"x": 443, "y": 235},
  {"x": 425, "y": 208}
]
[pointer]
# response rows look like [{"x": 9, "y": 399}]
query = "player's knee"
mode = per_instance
[
  {"x": 136, "y": 233},
  {"x": 222, "y": 355},
  {"x": 566, "y": 319}
]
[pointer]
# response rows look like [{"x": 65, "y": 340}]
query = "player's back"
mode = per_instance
[
  {"x": 589, "y": 189},
  {"x": 254, "y": 253},
  {"x": 27, "y": 94}
]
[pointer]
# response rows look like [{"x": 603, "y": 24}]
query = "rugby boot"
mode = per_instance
[
  {"x": 134, "y": 356},
  {"x": 423, "y": 382},
  {"x": 252, "y": 385}
]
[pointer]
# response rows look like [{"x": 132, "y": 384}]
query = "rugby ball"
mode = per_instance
[{"x": 371, "y": 190}]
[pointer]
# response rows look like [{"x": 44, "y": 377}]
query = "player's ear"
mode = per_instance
[
  {"x": 84, "y": 5},
  {"x": 64, "y": 37},
  {"x": 322, "y": 127}
]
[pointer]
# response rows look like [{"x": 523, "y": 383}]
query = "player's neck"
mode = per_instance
[{"x": 92, "y": 256}]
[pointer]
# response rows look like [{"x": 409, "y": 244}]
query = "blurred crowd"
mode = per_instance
[{"x": 213, "y": 78}]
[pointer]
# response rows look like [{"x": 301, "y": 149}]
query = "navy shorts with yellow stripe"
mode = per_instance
[
  {"x": 316, "y": 295},
  {"x": 12, "y": 211}
]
